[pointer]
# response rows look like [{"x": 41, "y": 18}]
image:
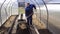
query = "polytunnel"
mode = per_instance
[{"x": 45, "y": 19}]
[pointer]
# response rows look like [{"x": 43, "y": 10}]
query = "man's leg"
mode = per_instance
[
  {"x": 30, "y": 20},
  {"x": 31, "y": 25}
]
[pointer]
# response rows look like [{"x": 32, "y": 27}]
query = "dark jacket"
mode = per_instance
[{"x": 29, "y": 9}]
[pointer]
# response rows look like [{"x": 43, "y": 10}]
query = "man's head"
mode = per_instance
[{"x": 27, "y": 4}]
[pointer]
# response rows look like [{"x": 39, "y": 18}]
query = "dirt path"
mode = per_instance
[{"x": 40, "y": 26}]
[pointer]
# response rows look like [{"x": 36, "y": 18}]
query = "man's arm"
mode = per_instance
[{"x": 34, "y": 6}]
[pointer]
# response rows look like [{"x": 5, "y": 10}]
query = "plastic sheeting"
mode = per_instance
[{"x": 8, "y": 8}]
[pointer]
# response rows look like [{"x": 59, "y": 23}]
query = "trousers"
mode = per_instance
[{"x": 29, "y": 20}]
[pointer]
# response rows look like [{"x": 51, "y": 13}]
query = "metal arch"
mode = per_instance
[
  {"x": 11, "y": 9},
  {"x": 39, "y": 9},
  {"x": 0, "y": 11},
  {"x": 17, "y": 3},
  {"x": 6, "y": 9},
  {"x": 18, "y": 11},
  {"x": 12, "y": 6},
  {"x": 8, "y": 4},
  {"x": 47, "y": 12}
]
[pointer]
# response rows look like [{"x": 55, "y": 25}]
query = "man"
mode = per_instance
[{"x": 29, "y": 12}]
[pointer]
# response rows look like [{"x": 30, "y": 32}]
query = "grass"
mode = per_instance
[{"x": 21, "y": 10}]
